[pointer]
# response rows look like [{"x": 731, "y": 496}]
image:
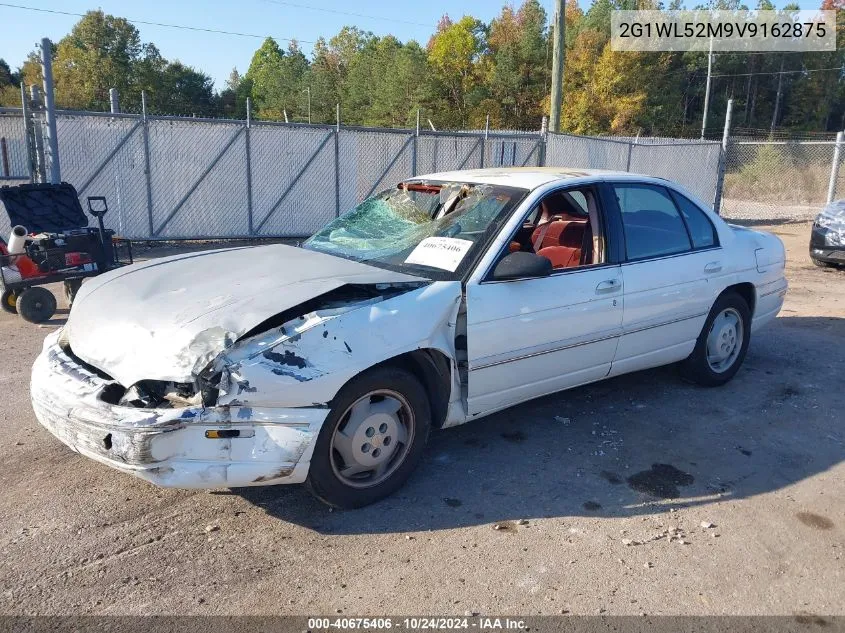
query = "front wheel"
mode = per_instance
[
  {"x": 372, "y": 439},
  {"x": 722, "y": 344}
]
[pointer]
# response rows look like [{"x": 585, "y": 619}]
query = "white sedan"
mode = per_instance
[{"x": 439, "y": 301}]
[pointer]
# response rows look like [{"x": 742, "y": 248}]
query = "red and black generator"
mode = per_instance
[{"x": 51, "y": 242}]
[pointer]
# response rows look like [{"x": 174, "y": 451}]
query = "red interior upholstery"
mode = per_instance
[
  {"x": 567, "y": 252},
  {"x": 548, "y": 233}
]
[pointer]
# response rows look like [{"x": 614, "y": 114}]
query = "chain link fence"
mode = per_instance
[
  {"x": 692, "y": 164},
  {"x": 778, "y": 181},
  {"x": 14, "y": 157},
  {"x": 191, "y": 178}
]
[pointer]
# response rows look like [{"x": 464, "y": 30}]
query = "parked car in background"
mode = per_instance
[
  {"x": 827, "y": 239},
  {"x": 439, "y": 301}
]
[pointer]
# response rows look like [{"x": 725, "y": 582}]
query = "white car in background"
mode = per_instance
[{"x": 439, "y": 301}]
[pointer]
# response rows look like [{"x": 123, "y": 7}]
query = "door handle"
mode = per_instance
[
  {"x": 713, "y": 267},
  {"x": 609, "y": 285}
]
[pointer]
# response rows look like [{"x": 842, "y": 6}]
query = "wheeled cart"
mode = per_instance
[{"x": 51, "y": 242}]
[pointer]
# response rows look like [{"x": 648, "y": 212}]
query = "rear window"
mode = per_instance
[
  {"x": 653, "y": 226},
  {"x": 701, "y": 229}
]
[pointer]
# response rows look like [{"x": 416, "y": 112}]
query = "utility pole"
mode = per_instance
[
  {"x": 308, "y": 90},
  {"x": 778, "y": 98},
  {"x": 707, "y": 89},
  {"x": 557, "y": 65}
]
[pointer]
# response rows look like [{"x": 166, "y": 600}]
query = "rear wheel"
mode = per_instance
[
  {"x": 372, "y": 439},
  {"x": 36, "y": 304},
  {"x": 722, "y": 344},
  {"x": 9, "y": 301},
  {"x": 822, "y": 264}
]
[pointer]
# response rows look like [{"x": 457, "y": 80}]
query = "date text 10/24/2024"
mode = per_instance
[{"x": 480, "y": 623}]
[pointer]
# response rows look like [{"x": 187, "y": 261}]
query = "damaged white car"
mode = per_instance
[{"x": 438, "y": 301}]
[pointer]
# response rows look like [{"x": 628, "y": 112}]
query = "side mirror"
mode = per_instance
[{"x": 520, "y": 265}]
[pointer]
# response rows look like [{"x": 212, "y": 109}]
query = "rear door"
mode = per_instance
[{"x": 667, "y": 263}]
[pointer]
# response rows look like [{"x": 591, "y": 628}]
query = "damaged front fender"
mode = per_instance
[
  {"x": 271, "y": 390},
  {"x": 306, "y": 360}
]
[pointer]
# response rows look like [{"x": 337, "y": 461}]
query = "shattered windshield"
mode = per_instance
[{"x": 430, "y": 229}]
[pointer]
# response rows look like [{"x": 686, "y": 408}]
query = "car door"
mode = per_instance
[
  {"x": 667, "y": 294},
  {"x": 530, "y": 337}
]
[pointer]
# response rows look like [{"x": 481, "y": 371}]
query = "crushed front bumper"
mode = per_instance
[
  {"x": 169, "y": 447},
  {"x": 827, "y": 245}
]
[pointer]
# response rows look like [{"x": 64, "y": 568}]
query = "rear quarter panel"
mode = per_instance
[{"x": 759, "y": 258}]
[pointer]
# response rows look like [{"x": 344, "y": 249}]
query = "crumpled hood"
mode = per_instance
[{"x": 167, "y": 318}]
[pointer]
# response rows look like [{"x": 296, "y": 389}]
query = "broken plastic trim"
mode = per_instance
[{"x": 153, "y": 394}]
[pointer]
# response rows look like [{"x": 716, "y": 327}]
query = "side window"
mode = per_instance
[
  {"x": 652, "y": 224},
  {"x": 701, "y": 229},
  {"x": 580, "y": 199},
  {"x": 571, "y": 234}
]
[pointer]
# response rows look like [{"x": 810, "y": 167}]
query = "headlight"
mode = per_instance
[{"x": 831, "y": 222}]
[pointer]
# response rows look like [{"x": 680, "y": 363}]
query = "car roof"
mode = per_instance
[{"x": 529, "y": 177}]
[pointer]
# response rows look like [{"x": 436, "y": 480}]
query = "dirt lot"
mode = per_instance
[{"x": 760, "y": 459}]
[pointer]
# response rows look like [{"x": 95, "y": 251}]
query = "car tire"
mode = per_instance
[
  {"x": 722, "y": 344},
  {"x": 380, "y": 418},
  {"x": 8, "y": 302},
  {"x": 36, "y": 304},
  {"x": 822, "y": 264},
  {"x": 71, "y": 287}
]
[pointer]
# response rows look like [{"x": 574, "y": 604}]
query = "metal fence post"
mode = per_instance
[
  {"x": 248, "y": 167},
  {"x": 414, "y": 148},
  {"x": 38, "y": 134},
  {"x": 52, "y": 144},
  {"x": 147, "y": 174},
  {"x": 29, "y": 135},
  {"x": 834, "y": 169},
  {"x": 544, "y": 138},
  {"x": 723, "y": 158},
  {"x": 484, "y": 140},
  {"x": 337, "y": 162},
  {"x": 114, "y": 104},
  {"x": 630, "y": 150}
]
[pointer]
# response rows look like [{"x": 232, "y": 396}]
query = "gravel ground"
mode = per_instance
[
  {"x": 737, "y": 210},
  {"x": 641, "y": 494}
]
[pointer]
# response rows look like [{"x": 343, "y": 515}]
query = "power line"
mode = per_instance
[
  {"x": 348, "y": 13},
  {"x": 148, "y": 23},
  {"x": 783, "y": 72}
]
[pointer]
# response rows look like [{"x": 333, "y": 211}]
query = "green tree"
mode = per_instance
[
  {"x": 182, "y": 90},
  {"x": 10, "y": 94},
  {"x": 99, "y": 53},
  {"x": 453, "y": 54},
  {"x": 383, "y": 86},
  {"x": 276, "y": 80},
  {"x": 518, "y": 78}
]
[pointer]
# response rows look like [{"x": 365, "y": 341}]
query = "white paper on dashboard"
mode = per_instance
[{"x": 440, "y": 252}]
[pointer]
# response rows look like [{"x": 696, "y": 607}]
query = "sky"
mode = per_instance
[{"x": 216, "y": 54}]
